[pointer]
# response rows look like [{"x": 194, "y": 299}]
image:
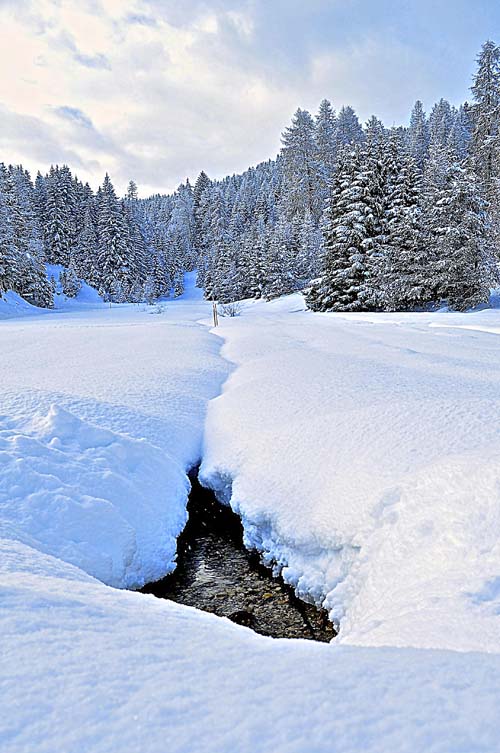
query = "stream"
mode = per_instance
[{"x": 216, "y": 573}]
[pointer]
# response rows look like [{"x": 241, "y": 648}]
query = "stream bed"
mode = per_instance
[{"x": 216, "y": 573}]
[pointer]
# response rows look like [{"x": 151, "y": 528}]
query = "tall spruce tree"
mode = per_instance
[{"x": 485, "y": 113}]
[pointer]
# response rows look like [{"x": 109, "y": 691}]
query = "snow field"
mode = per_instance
[{"x": 362, "y": 453}]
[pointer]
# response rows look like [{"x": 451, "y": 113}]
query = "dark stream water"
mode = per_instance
[{"x": 216, "y": 573}]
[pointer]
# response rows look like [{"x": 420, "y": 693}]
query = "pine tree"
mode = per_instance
[
  {"x": 349, "y": 130},
  {"x": 461, "y": 132},
  {"x": 326, "y": 146},
  {"x": 201, "y": 187},
  {"x": 58, "y": 231},
  {"x": 85, "y": 254},
  {"x": 114, "y": 264},
  {"x": 279, "y": 269},
  {"x": 486, "y": 115},
  {"x": 299, "y": 166},
  {"x": 69, "y": 282},
  {"x": 307, "y": 263},
  {"x": 418, "y": 134},
  {"x": 405, "y": 275},
  {"x": 132, "y": 191},
  {"x": 9, "y": 258},
  {"x": 440, "y": 123},
  {"x": 349, "y": 230},
  {"x": 457, "y": 233}
]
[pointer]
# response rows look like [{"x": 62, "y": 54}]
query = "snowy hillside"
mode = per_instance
[{"x": 361, "y": 452}]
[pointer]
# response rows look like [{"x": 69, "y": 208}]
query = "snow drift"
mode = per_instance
[
  {"x": 91, "y": 497},
  {"x": 362, "y": 453}
]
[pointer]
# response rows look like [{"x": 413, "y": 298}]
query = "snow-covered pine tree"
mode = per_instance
[
  {"x": 203, "y": 185},
  {"x": 308, "y": 260},
  {"x": 405, "y": 277},
  {"x": 348, "y": 228},
  {"x": 461, "y": 132},
  {"x": 30, "y": 281},
  {"x": 326, "y": 146},
  {"x": 457, "y": 232},
  {"x": 85, "y": 254},
  {"x": 69, "y": 281},
  {"x": 485, "y": 113},
  {"x": 132, "y": 191},
  {"x": 280, "y": 275},
  {"x": 349, "y": 129},
  {"x": 9, "y": 257},
  {"x": 418, "y": 134},
  {"x": 300, "y": 169},
  {"x": 440, "y": 123},
  {"x": 114, "y": 265},
  {"x": 58, "y": 230}
]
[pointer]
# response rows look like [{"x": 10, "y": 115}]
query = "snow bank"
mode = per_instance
[
  {"x": 12, "y": 306},
  {"x": 89, "y": 668},
  {"x": 91, "y": 497},
  {"x": 87, "y": 295},
  {"x": 362, "y": 453},
  {"x": 101, "y": 414}
]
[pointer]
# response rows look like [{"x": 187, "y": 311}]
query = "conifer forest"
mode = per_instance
[{"x": 358, "y": 217}]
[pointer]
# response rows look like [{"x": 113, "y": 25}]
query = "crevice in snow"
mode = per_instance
[
  {"x": 218, "y": 572},
  {"x": 318, "y": 574}
]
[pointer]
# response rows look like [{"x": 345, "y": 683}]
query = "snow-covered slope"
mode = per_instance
[
  {"x": 12, "y": 306},
  {"x": 86, "y": 295},
  {"x": 362, "y": 452}
]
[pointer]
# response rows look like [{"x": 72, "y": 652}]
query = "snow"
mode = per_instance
[
  {"x": 86, "y": 667},
  {"x": 101, "y": 413},
  {"x": 13, "y": 306},
  {"x": 86, "y": 294},
  {"x": 362, "y": 454},
  {"x": 91, "y": 496}
]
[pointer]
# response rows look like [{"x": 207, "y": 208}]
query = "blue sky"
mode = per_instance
[{"x": 157, "y": 90}]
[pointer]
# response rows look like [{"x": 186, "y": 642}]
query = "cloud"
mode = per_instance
[
  {"x": 157, "y": 90},
  {"x": 97, "y": 60},
  {"x": 75, "y": 115},
  {"x": 140, "y": 19},
  {"x": 27, "y": 138}
]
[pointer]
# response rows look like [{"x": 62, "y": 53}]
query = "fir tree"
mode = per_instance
[
  {"x": 418, "y": 134},
  {"x": 349, "y": 130},
  {"x": 486, "y": 115},
  {"x": 114, "y": 264},
  {"x": 299, "y": 166}
]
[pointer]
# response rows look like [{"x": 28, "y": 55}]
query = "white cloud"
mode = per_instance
[{"x": 157, "y": 90}]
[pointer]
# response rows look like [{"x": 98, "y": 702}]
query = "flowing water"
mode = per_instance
[{"x": 216, "y": 573}]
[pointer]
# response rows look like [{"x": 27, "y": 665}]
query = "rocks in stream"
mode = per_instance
[
  {"x": 242, "y": 617},
  {"x": 216, "y": 573}
]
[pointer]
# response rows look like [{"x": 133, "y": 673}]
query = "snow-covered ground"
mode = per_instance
[
  {"x": 362, "y": 453},
  {"x": 101, "y": 412}
]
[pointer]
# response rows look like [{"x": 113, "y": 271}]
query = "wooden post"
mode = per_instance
[{"x": 216, "y": 314}]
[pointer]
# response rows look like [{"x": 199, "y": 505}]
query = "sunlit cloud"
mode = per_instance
[{"x": 157, "y": 90}]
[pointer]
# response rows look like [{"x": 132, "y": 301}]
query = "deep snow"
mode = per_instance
[
  {"x": 101, "y": 412},
  {"x": 368, "y": 466},
  {"x": 362, "y": 454}
]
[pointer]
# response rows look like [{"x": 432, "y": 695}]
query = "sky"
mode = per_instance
[{"x": 157, "y": 90}]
